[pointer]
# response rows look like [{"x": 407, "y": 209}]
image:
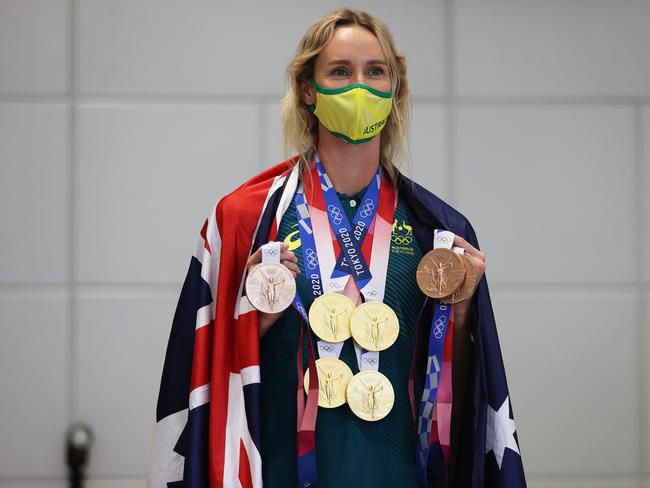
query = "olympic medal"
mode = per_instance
[
  {"x": 329, "y": 317},
  {"x": 333, "y": 378},
  {"x": 270, "y": 287},
  {"x": 370, "y": 395},
  {"x": 466, "y": 289},
  {"x": 440, "y": 273},
  {"x": 374, "y": 326}
]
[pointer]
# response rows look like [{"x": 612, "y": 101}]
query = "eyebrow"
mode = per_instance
[{"x": 345, "y": 61}]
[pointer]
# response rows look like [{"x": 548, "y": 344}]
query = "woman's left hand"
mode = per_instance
[
  {"x": 478, "y": 259},
  {"x": 462, "y": 349}
]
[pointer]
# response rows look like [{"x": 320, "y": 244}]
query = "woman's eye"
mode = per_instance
[
  {"x": 340, "y": 72},
  {"x": 376, "y": 71}
]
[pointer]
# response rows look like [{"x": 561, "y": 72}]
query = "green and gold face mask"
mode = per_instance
[{"x": 355, "y": 113}]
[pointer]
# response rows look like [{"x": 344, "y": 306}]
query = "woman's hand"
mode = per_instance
[
  {"x": 478, "y": 259},
  {"x": 288, "y": 259},
  {"x": 461, "y": 340}
]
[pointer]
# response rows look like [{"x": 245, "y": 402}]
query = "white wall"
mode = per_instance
[{"x": 123, "y": 122}]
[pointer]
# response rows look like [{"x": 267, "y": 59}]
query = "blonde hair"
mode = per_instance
[{"x": 300, "y": 125}]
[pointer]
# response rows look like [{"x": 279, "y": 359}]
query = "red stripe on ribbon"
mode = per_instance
[{"x": 307, "y": 411}]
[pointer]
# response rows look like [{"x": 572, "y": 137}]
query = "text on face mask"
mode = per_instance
[{"x": 374, "y": 127}]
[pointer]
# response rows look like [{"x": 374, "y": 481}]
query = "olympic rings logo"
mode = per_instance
[
  {"x": 372, "y": 293},
  {"x": 404, "y": 240},
  {"x": 312, "y": 258},
  {"x": 371, "y": 361},
  {"x": 271, "y": 252},
  {"x": 444, "y": 239},
  {"x": 368, "y": 207},
  {"x": 438, "y": 327},
  {"x": 326, "y": 348},
  {"x": 335, "y": 214}
]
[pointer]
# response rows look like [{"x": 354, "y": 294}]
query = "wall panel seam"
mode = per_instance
[
  {"x": 640, "y": 209},
  {"x": 73, "y": 80},
  {"x": 449, "y": 92}
]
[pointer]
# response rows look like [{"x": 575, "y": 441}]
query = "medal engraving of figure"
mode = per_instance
[
  {"x": 440, "y": 273},
  {"x": 370, "y": 395},
  {"x": 469, "y": 284},
  {"x": 333, "y": 378},
  {"x": 270, "y": 286},
  {"x": 374, "y": 326},
  {"x": 329, "y": 317}
]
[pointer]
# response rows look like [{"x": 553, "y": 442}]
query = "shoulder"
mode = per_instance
[{"x": 432, "y": 211}]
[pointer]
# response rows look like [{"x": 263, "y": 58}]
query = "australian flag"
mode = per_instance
[{"x": 208, "y": 416}]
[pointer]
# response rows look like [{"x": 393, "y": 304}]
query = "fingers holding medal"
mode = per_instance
[{"x": 476, "y": 256}]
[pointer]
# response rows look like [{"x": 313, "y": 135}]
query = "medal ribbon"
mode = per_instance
[
  {"x": 351, "y": 260},
  {"x": 381, "y": 204},
  {"x": 312, "y": 268},
  {"x": 306, "y": 473},
  {"x": 307, "y": 411},
  {"x": 271, "y": 252},
  {"x": 363, "y": 218},
  {"x": 434, "y": 420},
  {"x": 308, "y": 245},
  {"x": 306, "y": 445}
]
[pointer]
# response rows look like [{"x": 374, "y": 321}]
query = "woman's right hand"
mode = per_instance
[{"x": 288, "y": 259}]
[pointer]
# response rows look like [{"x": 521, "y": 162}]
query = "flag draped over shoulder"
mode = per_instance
[{"x": 208, "y": 414}]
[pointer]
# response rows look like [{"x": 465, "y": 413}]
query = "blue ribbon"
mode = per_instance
[
  {"x": 349, "y": 237},
  {"x": 307, "y": 469},
  {"x": 309, "y": 256},
  {"x": 306, "y": 464},
  {"x": 437, "y": 333},
  {"x": 308, "y": 244}
]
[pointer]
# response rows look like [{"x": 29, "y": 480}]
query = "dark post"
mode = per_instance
[{"x": 79, "y": 439}]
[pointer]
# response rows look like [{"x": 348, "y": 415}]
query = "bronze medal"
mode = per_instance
[
  {"x": 370, "y": 395},
  {"x": 466, "y": 289},
  {"x": 333, "y": 378},
  {"x": 374, "y": 326},
  {"x": 270, "y": 287},
  {"x": 440, "y": 273}
]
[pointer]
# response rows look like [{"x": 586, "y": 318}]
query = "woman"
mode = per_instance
[{"x": 345, "y": 117}]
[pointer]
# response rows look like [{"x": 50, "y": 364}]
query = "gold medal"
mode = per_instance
[
  {"x": 468, "y": 286},
  {"x": 370, "y": 395},
  {"x": 270, "y": 287},
  {"x": 329, "y": 317},
  {"x": 333, "y": 378},
  {"x": 374, "y": 325},
  {"x": 440, "y": 273}
]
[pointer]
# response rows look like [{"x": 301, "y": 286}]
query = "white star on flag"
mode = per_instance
[{"x": 500, "y": 430}]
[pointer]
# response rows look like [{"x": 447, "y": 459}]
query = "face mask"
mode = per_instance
[{"x": 355, "y": 113}]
